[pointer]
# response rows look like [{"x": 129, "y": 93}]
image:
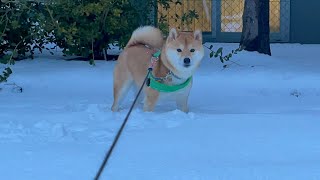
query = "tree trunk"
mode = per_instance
[
  {"x": 256, "y": 29},
  {"x": 264, "y": 27}
]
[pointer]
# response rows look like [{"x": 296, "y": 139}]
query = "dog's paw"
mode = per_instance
[
  {"x": 184, "y": 109},
  {"x": 115, "y": 109}
]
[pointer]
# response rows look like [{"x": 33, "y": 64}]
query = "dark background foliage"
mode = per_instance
[{"x": 83, "y": 28}]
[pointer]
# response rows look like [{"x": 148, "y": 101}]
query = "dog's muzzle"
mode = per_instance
[{"x": 186, "y": 62}]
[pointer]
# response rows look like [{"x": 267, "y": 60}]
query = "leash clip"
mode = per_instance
[
  {"x": 154, "y": 60},
  {"x": 148, "y": 82}
]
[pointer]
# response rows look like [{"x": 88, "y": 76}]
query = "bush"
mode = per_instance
[
  {"x": 82, "y": 28},
  {"x": 86, "y": 27},
  {"x": 20, "y": 32},
  {"x": 20, "y": 28}
]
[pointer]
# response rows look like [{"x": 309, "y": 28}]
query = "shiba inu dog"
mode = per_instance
[{"x": 181, "y": 54}]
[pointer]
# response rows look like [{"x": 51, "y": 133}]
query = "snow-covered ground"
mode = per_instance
[{"x": 257, "y": 119}]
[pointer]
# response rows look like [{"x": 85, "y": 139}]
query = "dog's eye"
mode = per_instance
[
  {"x": 179, "y": 50},
  {"x": 192, "y": 50}
]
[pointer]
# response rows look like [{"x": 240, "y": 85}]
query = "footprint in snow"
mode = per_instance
[
  {"x": 58, "y": 131},
  {"x": 76, "y": 107},
  {"x": 101, "y": 136},
  {"x": 96, "y": 112},
  {"x": 52, "y": 131},
  {"x": 78, "y": 128},
  {"x": 12, "y": 132},
  {"x": 176, "y": 118}
]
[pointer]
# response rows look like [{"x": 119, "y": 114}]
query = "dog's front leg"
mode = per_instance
[
  {"x": 151, "y": 98},
  {"x": 182, "y": 100},
  {"x": 182, "y": 103}
]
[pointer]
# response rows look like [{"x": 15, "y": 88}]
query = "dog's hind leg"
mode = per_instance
[{"x": 121, "y": 85}]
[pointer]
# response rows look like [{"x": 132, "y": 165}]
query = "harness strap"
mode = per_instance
[
  {"x": 154, "y": 59},
  {"x": 161, "y": 87}
]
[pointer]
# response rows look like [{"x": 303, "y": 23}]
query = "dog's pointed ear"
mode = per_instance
[
  {"x": 197, "y": 35},
  {"x": 173, "y": 34}
]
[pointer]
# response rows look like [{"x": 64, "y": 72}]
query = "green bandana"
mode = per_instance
[{"x": 156, "y": 85}]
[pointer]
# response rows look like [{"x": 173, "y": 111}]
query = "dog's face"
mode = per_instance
[{"x": 184, "y": 51}]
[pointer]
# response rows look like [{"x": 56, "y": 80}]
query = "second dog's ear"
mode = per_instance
[{"x": 172, "y": 34}]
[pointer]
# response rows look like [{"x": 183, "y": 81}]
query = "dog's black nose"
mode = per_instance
[{"x": 186, "y": 61}]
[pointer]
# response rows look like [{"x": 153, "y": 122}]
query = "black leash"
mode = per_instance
[{"x": 121, "y": 129}]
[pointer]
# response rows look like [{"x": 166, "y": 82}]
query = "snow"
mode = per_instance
[{"x": 256, "y": 119}]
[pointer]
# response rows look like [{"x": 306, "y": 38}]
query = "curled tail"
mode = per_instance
[{"x": 147, "y": 35}]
